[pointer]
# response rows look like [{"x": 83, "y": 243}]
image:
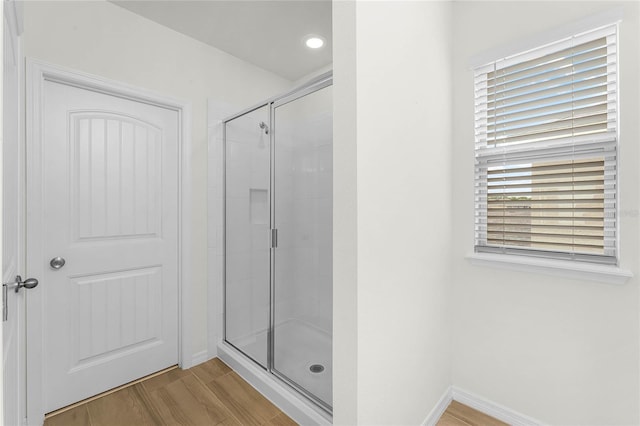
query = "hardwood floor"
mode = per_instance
[
  {"x": 208, "y": 394},
  {"x": 460, "y": 415}
]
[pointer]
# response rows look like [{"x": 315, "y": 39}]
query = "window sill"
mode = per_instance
[{"x": 560, "y": 268}]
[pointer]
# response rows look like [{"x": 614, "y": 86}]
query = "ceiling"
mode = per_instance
[{"x": 269, "y": 34}]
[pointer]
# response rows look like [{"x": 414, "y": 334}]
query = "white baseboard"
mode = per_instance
[
  {"x": 493, "y": 409},
  {"x": 439, "y": 409},
  {"x": 199, "y": 358}
]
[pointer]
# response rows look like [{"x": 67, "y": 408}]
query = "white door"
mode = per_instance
[
  {"x": 12, "y": 234},
  {"x": 109, "y": 208}
]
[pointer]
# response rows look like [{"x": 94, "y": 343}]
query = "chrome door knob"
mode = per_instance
[
  {"x": 57, "y": 262},
  {"x": 29, "y": 283}
]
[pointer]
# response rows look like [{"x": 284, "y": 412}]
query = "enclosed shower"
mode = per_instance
[{"x": 278, "y": 239}]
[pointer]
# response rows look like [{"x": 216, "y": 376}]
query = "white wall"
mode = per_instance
[
  {"x": 103, "y": 39},
  {"x": 345, "y": 209},
  {"x": 312, "y": 75},
  {"x": 402, "y": 156},
  {"x": 560, "y": 350}
]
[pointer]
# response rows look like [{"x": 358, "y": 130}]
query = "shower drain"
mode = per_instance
[{"x": 317, "y": 368}]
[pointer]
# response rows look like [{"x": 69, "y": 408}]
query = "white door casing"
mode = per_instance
[
  {"x": 105, "y": 191},
  {"x": 12, "y": 218}
]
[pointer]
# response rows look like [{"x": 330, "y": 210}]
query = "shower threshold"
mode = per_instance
[{"x": 296, "y": 406}]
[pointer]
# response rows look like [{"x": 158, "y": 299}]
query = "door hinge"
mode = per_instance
[{"x": 274, "y": 238}]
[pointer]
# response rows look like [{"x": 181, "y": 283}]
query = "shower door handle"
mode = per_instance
[{"x": 274, "y": 238}]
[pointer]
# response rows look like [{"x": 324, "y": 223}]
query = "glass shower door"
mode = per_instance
[
  {"x": 247, "y": 233},
  {"x": 302, "y": 279}
]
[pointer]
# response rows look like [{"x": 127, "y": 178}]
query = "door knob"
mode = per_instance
[
  {"x": 29, "y": 283},
  {"x": 57, "y": 262}
]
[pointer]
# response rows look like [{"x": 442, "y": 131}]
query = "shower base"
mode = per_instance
[{"x": 298, "y": 347}]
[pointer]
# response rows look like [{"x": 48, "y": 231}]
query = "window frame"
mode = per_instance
[{"x": 568, "y": 260}]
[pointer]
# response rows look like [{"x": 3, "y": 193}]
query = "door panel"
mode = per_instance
[
  {"x": 303, "y": 159},
  {"x": 247, "y": 226},
  {"x": 116, "y": 167},
  {"x": 110, "y": 209},
  {"x": 116, "y": 313}
]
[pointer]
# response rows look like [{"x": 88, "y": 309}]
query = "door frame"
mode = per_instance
[
  {"x": 12, "y": 17},
  {"x": 37, "y": 73}
]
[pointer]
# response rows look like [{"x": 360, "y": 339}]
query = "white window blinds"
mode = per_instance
[{"x": 546, "y": 150}]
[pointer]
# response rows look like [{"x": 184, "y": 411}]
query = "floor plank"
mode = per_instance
[
  {"x": 124, "y": 407},
  {"x": 471, "y": 416},
  {"x": 188, "y": 402},
  {"x": 77, "y": 416},
  {"x": 448, "y": 420},
  {"x": 165, "y": 379},
  {"x": 210, "y": 370},
  {"x": 244, "y": 402},
  {"x": 281, "y": 420}
]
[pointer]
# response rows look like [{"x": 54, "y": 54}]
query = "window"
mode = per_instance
[{"x": 546, "y": 151}]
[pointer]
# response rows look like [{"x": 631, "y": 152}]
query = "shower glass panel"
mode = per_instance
[
  {"x": 247, "y": 233},
  {"x": 302, "y": 282}
]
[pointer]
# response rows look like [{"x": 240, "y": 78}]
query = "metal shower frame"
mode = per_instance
[{"x": 312, "y": 86}]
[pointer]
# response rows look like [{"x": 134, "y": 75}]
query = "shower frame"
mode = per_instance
[{"x": 316, "y": 84}]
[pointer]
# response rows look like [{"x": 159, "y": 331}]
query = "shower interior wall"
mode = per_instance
[{"x": 304, "y": 196}]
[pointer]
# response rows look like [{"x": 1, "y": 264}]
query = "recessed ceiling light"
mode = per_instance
[{"x": 314, "y": 42}]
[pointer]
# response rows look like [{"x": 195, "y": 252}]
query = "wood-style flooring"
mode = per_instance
[
  {"x": 460, "y": 415},
  {"x": 207, "y": 394}
]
